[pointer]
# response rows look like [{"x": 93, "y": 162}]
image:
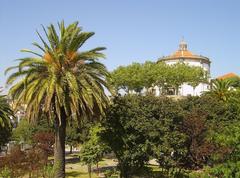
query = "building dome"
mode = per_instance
[{"x": 184, "y": 54}]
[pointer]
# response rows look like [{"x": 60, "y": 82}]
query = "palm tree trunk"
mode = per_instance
[{"x": 59, "y": 147}]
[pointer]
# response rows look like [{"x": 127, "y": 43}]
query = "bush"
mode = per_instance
[
  {"x": 138, "y": 127},
  {"x": 44, "y": 141},
  {"x": 15, "y": 162},
  {"x": 18, "y": 163},
  {"x": 5, "y": 172},
  {"x": 226, "y": 170}
]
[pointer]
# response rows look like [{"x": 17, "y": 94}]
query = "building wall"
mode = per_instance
[{"x": 186, "y": 89}]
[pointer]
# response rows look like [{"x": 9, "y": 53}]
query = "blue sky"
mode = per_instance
[{"x": 132, "y": 30}]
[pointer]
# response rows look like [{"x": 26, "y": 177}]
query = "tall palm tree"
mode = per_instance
[
  {"x": 62, "y": 81},
  {"x": 5, "y": 112}
]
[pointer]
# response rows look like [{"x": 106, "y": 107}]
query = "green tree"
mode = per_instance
[
  {"x": 140, "y": 127},
  {"x": 23, "y": 132},
  {"x": 93, "y": 149},
  {"x": 5, "y": 120},
  {"x": 181, "y": 73},
  {"x": 136, "y": 76},
  {"x": 161, "y": 72},
  {"x": 197, "y": 75},
  {"x": 61, "y": 81},
  {"x": 128, "y": 78},
  {"x": 235, "y": 82},
  {"x": 125, "y": 136},
  {"x": 73, "y": 135},
  {"x": 149, "y": 74}
]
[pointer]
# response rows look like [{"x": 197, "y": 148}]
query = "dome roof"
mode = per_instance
[
  {"x": 184, "y": 53},
  {"x": 181, "y": 53},
  {"x": 228, "y": 76}
]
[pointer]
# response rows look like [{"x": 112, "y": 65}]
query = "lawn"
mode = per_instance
[{"x": 81, "y": 171}]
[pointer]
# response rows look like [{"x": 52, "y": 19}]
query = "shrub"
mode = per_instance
[
  {"x": 15, "y": 162},
  {"x": 199, "y": 149},
  {"x": 44, "y": 141}
]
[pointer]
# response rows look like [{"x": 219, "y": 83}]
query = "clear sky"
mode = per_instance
[{"x": 132, "y": 30}]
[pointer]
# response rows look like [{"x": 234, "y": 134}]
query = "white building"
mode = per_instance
[{"x": 185, "y": 56}]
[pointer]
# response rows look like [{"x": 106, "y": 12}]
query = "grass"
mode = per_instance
[{"x": 81, "y": 171}]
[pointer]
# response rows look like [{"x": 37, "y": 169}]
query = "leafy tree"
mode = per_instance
[
  {"x": 227, "y": 137},
  {"x": 235, "y": 82},
  {"x": 197, "y": 75},
  {"x": 149, "y": 74},
  {"x": 161, "y": 73},
  {"x": 15, "y": 162},
  {"x": 181, "y": 73},
  {"x": 138, "y": 76},
  {"x": 199, "y": 148},
  {"x": 138, "y": 127},
  {"x": 123, "y": 136},
  {"x": 207, "y": 123},
  {"x": 44, "y": 141},
  {"x": 227, "y": 161},
  {"x": 62, "y": 82},
  {"x": 92, "y": 150},
  {"x": 73, "y": 135},
  {"x": 164, "y": 132},
  {"x": 23, "y": 132},
  {"x": 128, "y": 78}
]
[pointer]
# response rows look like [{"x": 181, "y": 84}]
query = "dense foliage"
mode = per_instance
[
  {"x": 186, "y": 134},
  {"x": 19, "y": 163},
  {"x": 137, "y": 128},
  {"x": 5, "y": 121},
  {"x": 137, "y": 76},
  {"x": 5, "y": 135},
  {"x": 25, "y": 130},
  {"x": 93, "y": 149}
]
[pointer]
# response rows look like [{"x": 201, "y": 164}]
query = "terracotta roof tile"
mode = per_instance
[{"x": 227, "y": 76}]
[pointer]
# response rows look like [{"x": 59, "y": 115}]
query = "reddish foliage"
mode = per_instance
[
  {"x": 30, "y": 161},
  {"x": 36, "y": 159},
  {"x": 44, "y": 141},
  {"x": 15, "y": 161},
  {"x": 198, "y": 147}
]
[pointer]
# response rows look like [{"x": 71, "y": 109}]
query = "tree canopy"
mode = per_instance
[{"x": 136, "y": 76}]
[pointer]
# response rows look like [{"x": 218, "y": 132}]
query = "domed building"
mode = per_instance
[{"x": 185, "y": 56}]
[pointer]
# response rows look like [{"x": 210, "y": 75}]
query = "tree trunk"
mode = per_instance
[
  {"x": 177, "y": 90},
  {"x": 59, "y": 147},
  {"x": 71, "y": 149},
  {"x": 90, "y": 171},
  {"x": 123, "y": 171},
  {"x": 98, "y": 169}
]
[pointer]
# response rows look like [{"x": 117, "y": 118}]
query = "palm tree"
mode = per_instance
[
  {"x": 5, "y": 121},
  {"x": 221, "y": 89},
  {"x": 61, "y": 81},
  {"x": 5, "y": 112}
]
